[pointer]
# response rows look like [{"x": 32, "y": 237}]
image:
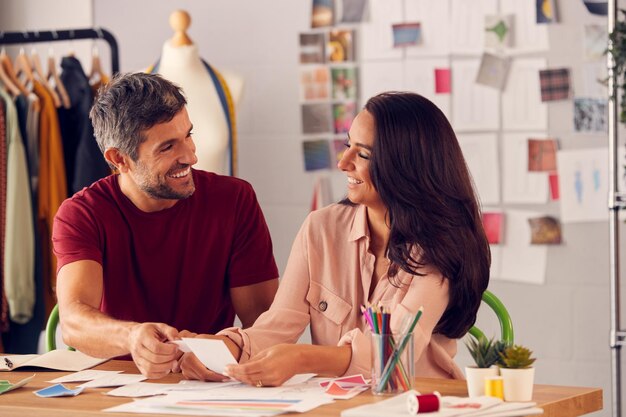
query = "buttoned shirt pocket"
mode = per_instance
[{"x": 328, "y": 312}]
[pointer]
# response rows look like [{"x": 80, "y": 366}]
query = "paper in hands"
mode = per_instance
[{"x": 213, "y": 353}]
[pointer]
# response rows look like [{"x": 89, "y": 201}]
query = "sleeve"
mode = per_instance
[
  {"x": 252, "y": 258},
  {"x": 288, "y": 316},
  {"x": 429, "y": 291},
  {"x": 75, "y": 234}
]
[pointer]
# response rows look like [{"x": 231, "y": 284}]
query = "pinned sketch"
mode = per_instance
[
  {"x": 529, "y": 36},
  {"x": 545, "y": 230},
  {"x": 481, "y": 156},
  {"x": 343, "y": 115},
  {"x": 316, "y": 155},
  {"x": 442, "y": 80},
  {"x": 493, "y": 224},
  {"x": 340, "y": 46},
  {"x": 377, "y": 77},
  {"x": 493, "y": 71},
  {"x": 555, "y": 84},
  {"x": 595, "y": 42},
  {"x": 434, "y": 17},
  {"x": 474, "y": 106},
  {"x": 546, "y": 11},
  {"x": 350, "y": 11},
  {"x": 316, "y": 118},
  {"x": 519, "y": 185},
  {"x": 553, "y": 179},
  {"x": 322, "y": 13},
  {"x": 314, "y": 83},
  {"x": 590, "y": 115},
  {"x": 594, "y": 76},
  {"x": 376, "y": 38},
  {"x": 522, "y": 108},
  {"x": 583, "y": 185},
  {"x": 344, "y": 83},
  {"x": 425, "y": 76},
  {"x": 542, "y": 155},
  {"x": 406, "y": 34},
  {"x": 499, "y": 31},
  {"x": 467, "y": 24},
  {"x": 312, "y": 48}
]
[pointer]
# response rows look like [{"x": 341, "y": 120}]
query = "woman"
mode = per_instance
[{"x": 408, "y": 235}]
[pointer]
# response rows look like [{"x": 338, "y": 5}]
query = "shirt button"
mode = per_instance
[{"x": 323, "y": 305}]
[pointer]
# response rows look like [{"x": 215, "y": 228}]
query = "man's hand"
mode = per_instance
[
  {"x": 192, "y": 368},
  {"x": 153, "y": 357},
  {"x": 270, "y": 368}
]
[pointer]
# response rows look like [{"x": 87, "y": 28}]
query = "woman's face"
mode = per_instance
[{"x": 355, "y": 161}]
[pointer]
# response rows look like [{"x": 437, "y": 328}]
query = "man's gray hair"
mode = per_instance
[{"x": 129, "y": 105}]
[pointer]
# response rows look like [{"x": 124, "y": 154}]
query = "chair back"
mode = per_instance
[{"x": 506, "y": 325}]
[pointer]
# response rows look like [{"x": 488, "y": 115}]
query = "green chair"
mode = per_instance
[
  {"x": 51, "y": 329},
  {"x": 506, "y": 325}
]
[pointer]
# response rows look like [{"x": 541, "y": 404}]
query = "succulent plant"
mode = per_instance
[
  {"x": 516, "y": 357},
  {"x": 486, "y": 352}
]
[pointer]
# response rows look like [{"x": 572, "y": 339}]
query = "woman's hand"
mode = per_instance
[{"x": 270, "y": 368}]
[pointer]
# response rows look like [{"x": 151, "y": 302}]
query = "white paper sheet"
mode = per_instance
[
  {"x": 376, "y": 41},
  {"x": 419, "y": 77},
  {"x": 519, "y": 185},
  {"x": 529, "y": 35},
  {"x": 475, "y": 107},
  {"x": 583, "y": 185},
  {"x": 115, "y": 380},
  {"x": 522, "y": 108},
  {"x": 376, "y": 77},
  {"x": 467, "y": 25},
  {"x": 140, "y": 389},
  {"x": 516, "y": 259},
  {"x": 213, "y": 353},
  {"x": 59, "y": 359},
  {"x": 481, "y": 155},
  {"x": 87, "y": 375},
  {"x": 434, "y": 17}
]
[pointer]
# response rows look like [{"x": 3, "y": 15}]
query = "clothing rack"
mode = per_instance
[{"x": 8, "y": 38}]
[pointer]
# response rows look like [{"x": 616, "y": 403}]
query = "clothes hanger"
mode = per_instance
[
  {"x": 8, "y": 84},
  {"x": 96, "y": 75},
  {"x": 38, "y": 70},
  {"x": 56, "y": 80},
  {"x": 23, "y": 67},
  {"x": 7, "y": 65}
]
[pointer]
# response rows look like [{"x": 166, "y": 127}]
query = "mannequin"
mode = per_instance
[{"x": 181, "y": 64}]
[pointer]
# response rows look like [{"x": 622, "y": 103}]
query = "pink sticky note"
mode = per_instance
[
  {"x": 335, "y": 389},
  {"x": 554, "y": 186},
  {"x": 442, "y": 81},
  {"x": 353, "y": 380}
]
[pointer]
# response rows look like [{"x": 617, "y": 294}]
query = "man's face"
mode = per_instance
[{"x": 163, "y": 167}]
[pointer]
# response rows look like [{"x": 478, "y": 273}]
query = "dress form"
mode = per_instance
[{"x": 181, "y": 63}]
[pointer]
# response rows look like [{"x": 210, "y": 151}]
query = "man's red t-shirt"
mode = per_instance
[{"x": 174, "y": 266}]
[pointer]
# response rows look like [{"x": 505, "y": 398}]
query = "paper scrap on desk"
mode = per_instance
[
  {"x": 115, "y": 380},
  {"x": 336, "y": 391},
  {"x": 298, "y": 379},
  {"x": 58, "y": 390},
  {"x": 87, "y": 375},
  {"x": 352, "y": 379},
  {"x": 188, "y": 385},
  {"x": 213, "y": 353},
  {"x": 6, "y": 386},
  {"x": 141, "y": 389}
]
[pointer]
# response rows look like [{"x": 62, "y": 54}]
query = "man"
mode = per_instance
[{"x": 158, "y": 247}]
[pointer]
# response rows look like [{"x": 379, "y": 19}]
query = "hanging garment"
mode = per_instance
[
  {"x": 84, "y": 162},
  {"x": 228, "y": 106},
  {"x": 18, "y": 253},
  {"x": 32, "y": 144},
  {"x": 4, "y": 305},
  {"x": 52, "y": 187}
]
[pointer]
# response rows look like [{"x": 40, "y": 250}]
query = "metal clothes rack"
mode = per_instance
[
  {"x": 8, "y": 38},
  {"x": 616, "y": 200}
]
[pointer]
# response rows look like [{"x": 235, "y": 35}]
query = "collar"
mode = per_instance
[{"x": 359, "y": 227}]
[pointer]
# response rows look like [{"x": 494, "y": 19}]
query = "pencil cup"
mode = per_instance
[{"x": 393, "y": 368}]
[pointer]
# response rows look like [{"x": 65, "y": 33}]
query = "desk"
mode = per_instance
[{"x": 555, "y": 400}]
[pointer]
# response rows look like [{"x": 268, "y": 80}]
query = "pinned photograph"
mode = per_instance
[
  {"x": 590, "y": 115},
  {"x": 493, "y": 225},
  {"x": 314, "y": 83},
  {"x": 312, "y": 48},
  {"x": 499, "y": 31},
  {"x": 351, "y": 11},
  {"x": 344, "y": 83},
  {"x": 316, "y": 155},
  {"x": 316, "y": 118},
  {"x": 442, "y": 81},
  {"x": 595, "y": 42},
  {"x": 545, "y": 230},
  {"x": 493, "y": 71},
  {"x": 340, "y": 46},
  {"x": 546, "y": 11},
  {"x": 407, "y": 34},
  {"x": 343, "y": 115},
  {"x": 555, "y": 84},
  {"x": 322, "y": 13},
  {"x": 337, "y": 149},
  {"x": 542, "y": 155}
]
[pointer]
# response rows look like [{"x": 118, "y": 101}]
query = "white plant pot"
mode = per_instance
[
  {"x": 476, "y": 379},
  {"x": 518, "y": 384}
]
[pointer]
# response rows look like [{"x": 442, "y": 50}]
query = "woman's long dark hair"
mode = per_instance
[{"x": 420, "y": 174}]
